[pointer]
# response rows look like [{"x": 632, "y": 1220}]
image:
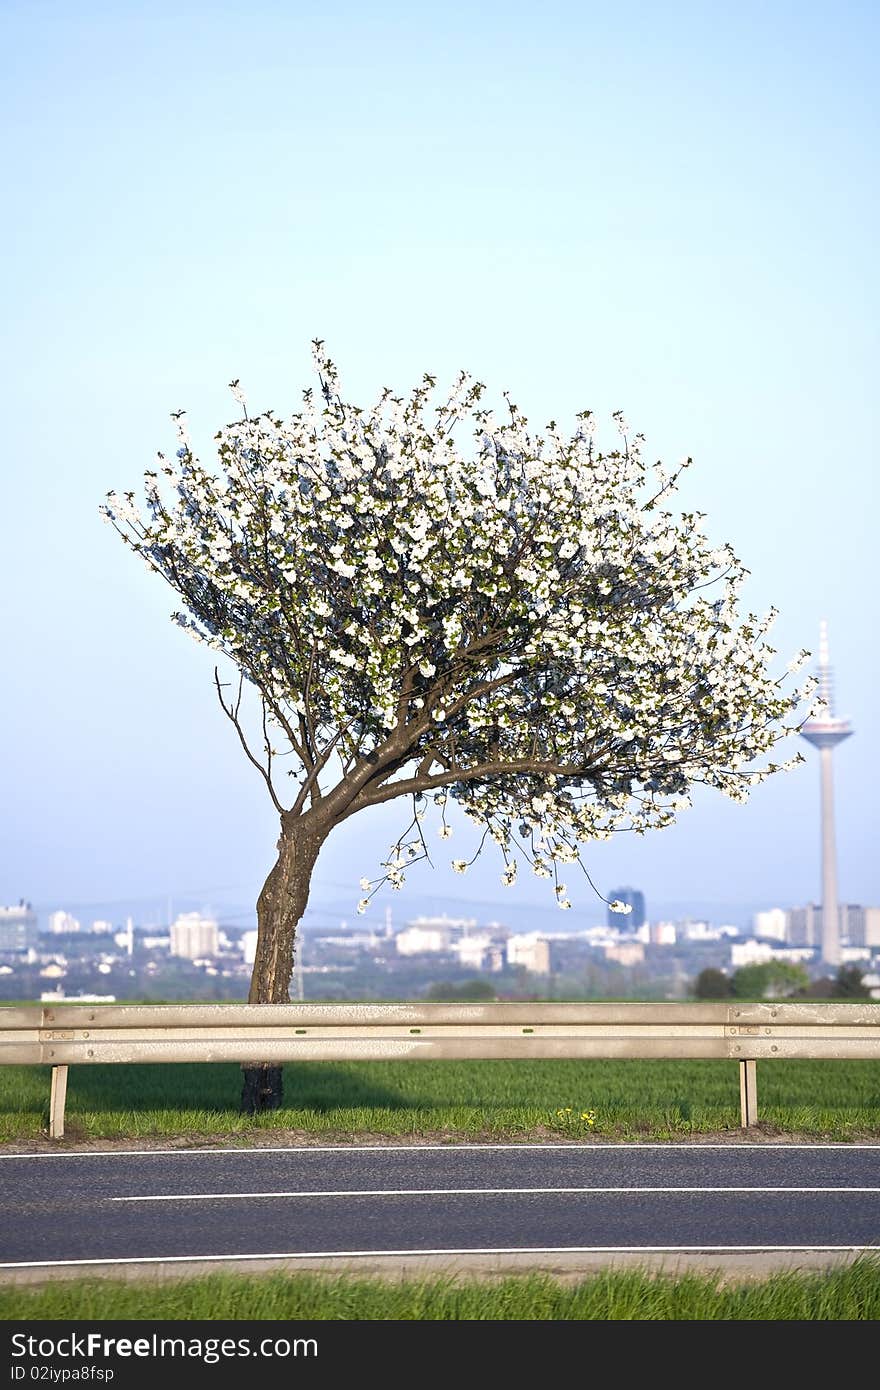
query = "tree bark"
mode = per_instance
[{"x": 280, "y": 907}]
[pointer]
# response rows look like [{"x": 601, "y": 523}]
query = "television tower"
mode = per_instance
[{"x": 825, "y": 733}]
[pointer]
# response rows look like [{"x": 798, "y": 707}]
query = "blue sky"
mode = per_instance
[{"x": 669, "y": 209}]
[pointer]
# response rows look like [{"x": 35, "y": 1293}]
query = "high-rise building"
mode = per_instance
[
  {"x": 635, "y": 900},
  {"x": 852, "y": 924},
  {"x": 18, "y": 929},
  {"x": 859, "y": 926},
  {"x": 825, "y": 733},
  {"x": 194, "y": 936},
  {"x": 803, "y": 926},
  {"x": 872, "y": 926}
]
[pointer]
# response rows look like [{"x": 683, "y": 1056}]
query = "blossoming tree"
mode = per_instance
[{"x": 510, "y": 620}]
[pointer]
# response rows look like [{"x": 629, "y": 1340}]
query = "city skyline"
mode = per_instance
[
  {"x": 427, "y": 956},
  {"x": 672, "y": 259},
  {"x": 328, "y": 913}
]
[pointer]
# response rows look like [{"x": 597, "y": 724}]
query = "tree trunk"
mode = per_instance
[{"x": 279, "y": 908}]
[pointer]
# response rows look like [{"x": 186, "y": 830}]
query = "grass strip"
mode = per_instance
[
  {"x": 490, "y": 1099},
  {"x": 850, "y": 1292}
]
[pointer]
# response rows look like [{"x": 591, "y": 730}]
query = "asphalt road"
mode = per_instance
[{"x": 457, "y": 1202}]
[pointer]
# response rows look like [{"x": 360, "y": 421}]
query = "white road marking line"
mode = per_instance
[
  {"x": 456, "y": 1250},
  {"x": 416, "y": 1148},
  {"x": 631, "y": 1190}
]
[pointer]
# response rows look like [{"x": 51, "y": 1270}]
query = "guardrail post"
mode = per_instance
[
  {"x": 748, "y": 1093},
  {"x": 56, "y": 1102}
]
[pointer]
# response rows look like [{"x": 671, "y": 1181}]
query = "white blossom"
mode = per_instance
[{"x": 428, "y": 608}]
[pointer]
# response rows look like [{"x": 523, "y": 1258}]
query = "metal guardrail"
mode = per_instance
[{"x": 64, "y": 1035}]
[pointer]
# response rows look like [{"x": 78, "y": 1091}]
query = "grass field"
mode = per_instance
[
  {"x": 497, "y": 1099},
  {"x": 851, "y": 1292}
]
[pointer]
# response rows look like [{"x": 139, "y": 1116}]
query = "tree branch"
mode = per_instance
[
  {"x": 388, "y": 791},
  {"x": 232, "y": 716},
  {"x": 319, "y": 765}
]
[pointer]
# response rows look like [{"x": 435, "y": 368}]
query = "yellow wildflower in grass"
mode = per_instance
[{"x": 568, "y": 1119}]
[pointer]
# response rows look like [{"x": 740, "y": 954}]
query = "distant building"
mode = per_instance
[
  {"x": 859, "y": 926},
  {"x": 759, "y": 952},
  {"x": 101, "y": 927},
  {"x": 851, "y": 917},
  {"x": 125, "y": 939},
  {"x": 626, "y": 952},
  {"x": 773, "y": 923},
  {"x": 531, "y": 950},
  {"x": 750, "y": 953},
  {"x": 631, "y": 920},
  {"x": 59, "y": 997},
  {"x": 18, "y": 929},
  {"x": 662, "y": 933},
  {"x": 482, "y": 951},
  {"x": 194, "y": 936},
  {"x": 248, "y": 943},
  {"x": 690, "y": 930},
  {"x": 413, "y": 941},
  {"x": 63, "y": 922},
  {"x": 600, "y": 936},
  {"x": 804, "y": 926},
  {"x": 432, "y": 934},
  {"x": 657, "y": 933}
]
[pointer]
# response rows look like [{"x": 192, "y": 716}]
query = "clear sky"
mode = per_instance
[{"x": 665, "y": 208}]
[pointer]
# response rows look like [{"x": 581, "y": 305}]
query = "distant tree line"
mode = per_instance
[{"x": 775, "y": 979}]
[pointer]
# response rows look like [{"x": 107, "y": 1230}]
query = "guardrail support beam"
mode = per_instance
[
  {"x": 748, "y": 1093},
  {"x": 56, "y": 1102}
]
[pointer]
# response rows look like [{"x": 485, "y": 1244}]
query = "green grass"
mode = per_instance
[
  {"x": 850, "y": 1292},
  {"x": 493, "y": 1099}
]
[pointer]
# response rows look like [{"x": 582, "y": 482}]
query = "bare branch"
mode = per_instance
[
  {"x": 266, "y": 742},
  {"x": 284, "y": 723},
  {"x": 232, "y": 716}
]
